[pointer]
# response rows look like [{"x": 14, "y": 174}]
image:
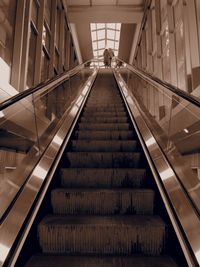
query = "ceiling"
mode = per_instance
[
  {"x": 127, "y": 12},
  {"x": 104, "y": 2}
]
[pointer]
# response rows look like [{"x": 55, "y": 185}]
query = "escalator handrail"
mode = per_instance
[
  {"x": 146, "y": 76},
  {"x": 44, "y": 85}
]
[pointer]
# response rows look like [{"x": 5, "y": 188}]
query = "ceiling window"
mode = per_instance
[{"x": 105, "y": 35}]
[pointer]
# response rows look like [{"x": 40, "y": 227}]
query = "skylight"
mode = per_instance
[{"x": 105, "y": 35}]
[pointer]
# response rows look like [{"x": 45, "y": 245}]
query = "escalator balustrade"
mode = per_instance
[{"x": 103, "y": 211}]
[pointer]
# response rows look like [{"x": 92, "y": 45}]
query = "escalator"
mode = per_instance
[{"x": 103, "y": 208}]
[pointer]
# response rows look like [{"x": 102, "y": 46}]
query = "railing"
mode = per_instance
[
  {"x": 35, "y": 129},
  {"x": 173, "y": 118},
  {"x": 28, "y": 122}
]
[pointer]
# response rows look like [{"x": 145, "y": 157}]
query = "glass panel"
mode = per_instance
[
  {"x": 100, "y": 25},
  {"x": 101, "y": 44},
  {"x": 94, "y": 36},
  {"x": 46, "y": 37},
  {"x": 45, "y": 67},
  {"x": 50, "y": 105},
  {"x": 111, "y": 25},
  {"x": 31, "y": 58},
  {"x": 175, "y": 123},
  {"x": 116, "y": 46},
  {"x": 166, "y": 59},
  {"x": 110, "y": 34},
  {"x": 118, "y": 26},
  {"x": 22, "y": 123},
  {"x": 101, "y": 34},
  {"x": 7, "y": 27},
  {"x": 58, "y": 15},
  {"x": 66, "y": 48},
  {"x": 180, "y": 48},
  {"x": 105, "y": 34},
  {"x": 100, "y": 52},
  {"x": 19, "y": 149},
  {"x": 117, "y": 35},
  {"x": 48, "y": 11},
  {"x": 110, "y": 44},
  {"x": 34, "y": 14},
  {"x": 93, "y": 26},
  {"x": 163, "y": 9},
  {"x": 94, "y": 44},
  {"x": 56, "y": 60}
]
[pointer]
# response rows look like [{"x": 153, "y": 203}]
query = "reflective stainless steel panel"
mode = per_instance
[
  {"x": 187, "y": 217},
  {"x": 12, "y": 224}
]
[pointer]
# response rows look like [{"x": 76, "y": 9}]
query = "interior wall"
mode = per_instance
[
  {"x": 84, "y": 39},
  {"x": 126, "y": 40}
]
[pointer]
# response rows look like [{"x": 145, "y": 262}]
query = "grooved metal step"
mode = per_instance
[
  {"x": 104, "y": 105},
  {"x": 105, "y": 119},
  {"x": 103, "y": 178},
  {"x": 102, "y": 201},
  {"x": 102, "y": 126},
  {"x": 104, "y": 114},
  {"x": 102, "y": 109},
  {"x": 48, "y": 260},
  {"x": 105, "y": 135},
  {"x": 107, "y": 235},
  {"x": 104, "y": 145},
  {"x": 104, "y": 159}
]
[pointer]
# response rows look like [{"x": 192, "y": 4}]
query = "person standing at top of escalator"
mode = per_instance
[
  {"x": 108, "y": 55},
  {"x": 111, "y": 53},
  {"x": 106, "y": 58}
]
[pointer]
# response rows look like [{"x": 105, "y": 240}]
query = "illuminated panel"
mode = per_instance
[{"x": 105, "y": 35}]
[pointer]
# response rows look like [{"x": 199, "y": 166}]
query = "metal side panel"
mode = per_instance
[
  {"x": 183, "y": 215},
  {"x": 40, "y": 178}
]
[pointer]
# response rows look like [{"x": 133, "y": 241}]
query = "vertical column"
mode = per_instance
[
  {"x": 172, "y": 44},
  {"x": 68, "y": 49},
  {"x": 197, "y": 7},
  {"x": 38, "y": 58},
  {"x": 61, "y": 57},
  {"x": 18, "y": 45},
  {"x": 149, "y": 43},
  {"x": 187, "y": 51},
  {"x": 159, "y": 43},
  {"x": 52, "y": 42},
  {"x": 194, "y": 44},
  {"x": 25, "y": 50}
]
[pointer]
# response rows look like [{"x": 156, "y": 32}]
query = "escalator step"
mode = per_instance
[
  {"x": 47, "y": 260},
  {"x": 102, "y": 201},
  {"x": 104, "y": 145},
  {"x": 103, "y": 126},
  {"x": 105, "y": 119},
  {"x": 104, "y": 114},
  {"x": 104, "y": 159},
  {"x": 107, "y": 235},
  {"x": 102, "y": 109},
  {"x": 103, "y": 178},
  {"x": 104, "y": 135}
]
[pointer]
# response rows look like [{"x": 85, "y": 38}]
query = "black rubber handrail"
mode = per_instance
[
  {"x": 194, "y": 100},
  {"x": 47, "y": 84}
]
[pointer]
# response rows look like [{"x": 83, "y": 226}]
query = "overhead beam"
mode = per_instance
[
  {"x": 134, "y": 44},
  {"x": 76, "y": 42},
  {"x": 105, "y": 14}
]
